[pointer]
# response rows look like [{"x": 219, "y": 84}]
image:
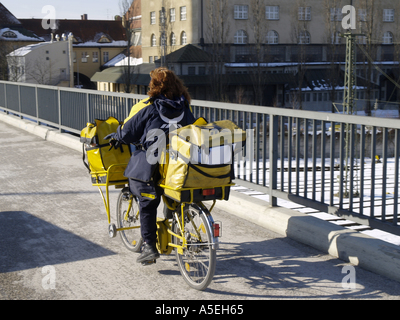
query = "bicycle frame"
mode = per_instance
[{"x": 118, "y": 168}]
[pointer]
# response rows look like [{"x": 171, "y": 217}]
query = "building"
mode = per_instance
[
  {"x": 43, "y": 63},
  {"x": 12, "y": 36},
  {"x": 274, "y": 37},
  {"x": 95, "y": 42}
]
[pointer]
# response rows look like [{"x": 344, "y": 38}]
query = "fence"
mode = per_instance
[{"x": 344, "y": 165}]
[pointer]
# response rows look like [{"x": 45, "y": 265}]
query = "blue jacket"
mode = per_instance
[{"x": 148, "y": 114}]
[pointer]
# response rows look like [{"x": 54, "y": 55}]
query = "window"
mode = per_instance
[
  {"x": 336, "y": 38},
  {"x": 173, "y": 39},
  {"x": 336, "y": 14},
  {"x": 191, "y": 71},
  {"x": 153, "y": 17},
  {"x": 241, "y": 12},
  {"x": 202, "y": 71},
  {"x": 9, "y": 34},
  {"x": 151, "y": 60},
  {"x": 105, "y": 57},
  {"x": 153, "y": 40},
  {"x": 272, "y": 12},
  {"x": 361, "y": 39},
  {"x": 95, "y": 57},
  {"x": 304, "y": 37},
  {"x": 183, "y": 38},
  {"x": 163, "y": 40},
  {"x": 388, "y": 15},
  {"x": 305, "y": 13},
  {"x": 84, "y": 56},
  {"x": 388, "y": 38},
  {"x": 183, "y": 13},
  {"x": 240, "y": 37},
  {"x": 362, "y": 15},
  {"x": 272, "y": 37},
  {"x": 136, "y": 38},
  {"x": 172, "y": 15},
  {"x": 162, "y": 16}
]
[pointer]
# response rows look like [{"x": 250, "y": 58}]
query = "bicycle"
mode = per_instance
[{"x": 188, "y": 227}]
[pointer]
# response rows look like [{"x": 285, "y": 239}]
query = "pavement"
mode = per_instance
[{"x": 54, "y": 232}]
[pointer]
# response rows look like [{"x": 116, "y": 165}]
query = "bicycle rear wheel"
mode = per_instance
[
  {"x": 198, "y": 260},
  {"x": 131, "y": 238}
]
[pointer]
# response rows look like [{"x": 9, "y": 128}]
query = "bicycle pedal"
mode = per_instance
[{"x": 148, "y": 263}]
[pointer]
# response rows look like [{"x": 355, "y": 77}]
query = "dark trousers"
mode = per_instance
[{"x": 149, "y": 198}]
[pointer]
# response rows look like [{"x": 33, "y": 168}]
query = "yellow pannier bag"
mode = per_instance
[
  {"x": 100, "y": 155},
  {"x": 200, "y": 157}
]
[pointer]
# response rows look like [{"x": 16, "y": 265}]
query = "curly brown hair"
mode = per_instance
[{"x": 164, "y": 81}]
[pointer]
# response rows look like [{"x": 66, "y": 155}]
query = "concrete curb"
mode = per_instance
[
  {"x": 43, "y": 132},
  {"x": 359, "y": 249}
]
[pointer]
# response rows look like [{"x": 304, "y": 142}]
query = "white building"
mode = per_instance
[{"x": 43, "y": 63}]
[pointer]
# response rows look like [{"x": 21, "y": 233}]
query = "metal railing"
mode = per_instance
[{"x": 344, "y": 165}]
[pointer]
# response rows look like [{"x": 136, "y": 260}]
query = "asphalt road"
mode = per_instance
[{"x": 54, "y": 244}]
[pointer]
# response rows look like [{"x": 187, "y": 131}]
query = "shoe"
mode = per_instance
[{"x": 149, "y": 253}]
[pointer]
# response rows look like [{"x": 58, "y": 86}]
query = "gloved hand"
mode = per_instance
[
  {"x": 110, "y": 136},
  {"x": 113, "y": 141}
]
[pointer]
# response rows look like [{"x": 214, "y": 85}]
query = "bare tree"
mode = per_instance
[
  {"x": 218, "y": 29},
  {"x": 167, "y": 35},
  {"x": 130, "y": 10},
  {"x": 41, "y": 71},
  {"x": 260, "y": 27},
  {"x": 333, "y": 18},
  {"x": 370, "y": 18},
  {"x": 301, "y": 13}
]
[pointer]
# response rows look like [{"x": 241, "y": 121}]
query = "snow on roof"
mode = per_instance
[
  {"x": 18, "y": 35},
  {"x": 122, "y": 60},
  {"x": 120, "y": 43}
]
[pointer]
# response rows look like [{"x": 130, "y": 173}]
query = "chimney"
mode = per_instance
[{"x": 84, "y": 16}]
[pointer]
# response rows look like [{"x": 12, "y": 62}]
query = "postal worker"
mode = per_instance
[{"x": 168, "y": 103}]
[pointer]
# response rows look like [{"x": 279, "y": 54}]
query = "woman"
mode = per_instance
[{"x": 168, "y": 104}]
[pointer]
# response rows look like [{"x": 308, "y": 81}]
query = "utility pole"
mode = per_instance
[
  {"x": 163, "y": 34},
  {"x": 350, "y": 85}
]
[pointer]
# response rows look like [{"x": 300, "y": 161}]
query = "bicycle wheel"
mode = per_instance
[
  {"x": 198, "y": 260},
  {"x": 131, "y": 238}
]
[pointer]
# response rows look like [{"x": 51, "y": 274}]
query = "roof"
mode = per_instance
[
  {"x": 122, "y": 60},
  {"x": 18, "y": 34},
  {"x": 188, "y": 53},
  {"x": 84, "y": 31},
  {"x": 7, "y": 18},
  {"x": 318, "y": 79},
  {"x": 140, "y": 74}
]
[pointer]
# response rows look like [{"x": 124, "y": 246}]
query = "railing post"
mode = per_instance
[
  {"x": 5, "y": 98},
  {"x": 19, "y": 102},
  {"x": 59, "y": 109},
  {"x": 273, "y": 158},
  {"x": 37, "y": 105},
  {"x": 87, "y": 108}
]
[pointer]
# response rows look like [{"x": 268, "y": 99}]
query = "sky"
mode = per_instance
[{"x": 67, "y": 9}]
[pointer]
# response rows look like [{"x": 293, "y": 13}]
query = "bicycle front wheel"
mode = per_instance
[
  {"x": 128, "y": 217},
  {"x": 197, "y": 260}
]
